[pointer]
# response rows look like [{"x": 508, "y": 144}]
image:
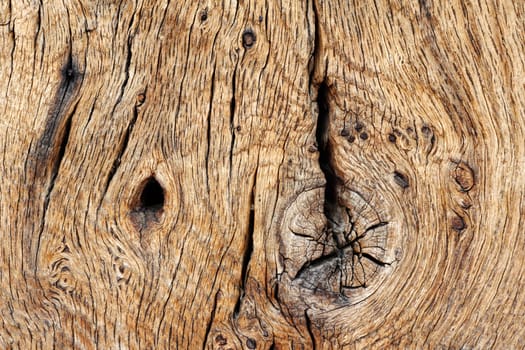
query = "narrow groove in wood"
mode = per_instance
[
  {"x": 344, "y": 259},
  {"x": 375, "y": 260},
  {"x": 232, "y": 120},
  {"x": 309, "y": 329},
  {"x": 123, "y": 145},
  {"x": 248, "y": 250},
  {"x": 316, "y": 263},
  {"x": 121, "y": 149},
  {"x": 212, "y": 318},
  {"x": 322, "y": 136},
  {"x": 61, "y": 152},
  {"x": 129, "y": 55},
  {"x": 70, "y": 80},
  {"x": 208, "y": 130},
  {"x": 54, "y": 174}
]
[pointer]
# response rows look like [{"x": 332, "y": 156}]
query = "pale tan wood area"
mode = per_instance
[{"x": 262, "y": 174}]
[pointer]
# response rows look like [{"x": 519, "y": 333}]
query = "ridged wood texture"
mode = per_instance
[{"x": 262, "y": 174}]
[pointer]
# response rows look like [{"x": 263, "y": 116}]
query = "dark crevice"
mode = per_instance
[
  {"x": 126, "y": 72},
  {"x": 124, "y": 142},
  {"x": 309, "y": 328},
  {"x": 70, "y": 81},
  {"x": 232, "y": 121},
  {"x": 374, "y": 259},
  {"x": 276, "y": 291},
  {"x": 331, "y": 205},
  {"x": 60, "y": 156},
  {"x": 345, "y": 245},
  {"x": 323, "y": 125},
  {"x": 375, "y": 226},
  {"x": 266, "y": 19},
  {"x": 54, "y": 174},
  {"x": 51, "y": 146},
  {"x": 121, "y": 149},
  {"x": 210, "y": 322},
  {"x": 248, "y": 251},
  {"x": 208, "y": 131},
  {"x": 330, "y": 195},
  {"x": 309, "y": 265}
]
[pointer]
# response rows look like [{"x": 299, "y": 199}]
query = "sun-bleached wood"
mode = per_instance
[{"x": 262, "y": 174}]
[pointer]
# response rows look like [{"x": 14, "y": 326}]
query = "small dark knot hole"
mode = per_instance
[
  {"x": 248, "y": 38},
  {"x": 148, "y": 206},
  {"x": 401, "y": 179},
  {"x": 251, "y": 343},
  {"x": 152, "y": 196},
  {"x": 204, "y": 15}
]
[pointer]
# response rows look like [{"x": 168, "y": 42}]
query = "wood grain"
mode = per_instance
[{"x": 262, "y": 174}]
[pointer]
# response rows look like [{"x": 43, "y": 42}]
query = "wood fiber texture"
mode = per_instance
[{"x": 262, "y": 174}]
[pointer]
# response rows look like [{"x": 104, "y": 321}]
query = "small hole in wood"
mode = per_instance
[
  {"x": 248, "y": 38},
  {"x": 392, "y": 138},
  {"x": 147, "y": 207},
  {"x": 152, "y": 196},
  {"x": 400, "y": 179},
  {"x": 251, "y": 343},
  {"x": 204, "y": 15}
]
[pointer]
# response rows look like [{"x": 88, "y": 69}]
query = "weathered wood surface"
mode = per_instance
[{"x": 262, "y": 174}]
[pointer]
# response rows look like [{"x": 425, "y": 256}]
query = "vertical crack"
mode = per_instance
[
  {"x": 323, "y": 142},
  {"x": 232, "y": 120},
  {"x": 121, "y": 149},
  {"x": 70, "y": 80},
  {"x": 210, "y": 322},
  {"x": 54, "y": 174},
  {"x": 51, "y": 146},
  {"x": 60, "y": 156},
  {"x": 124, "y": 143},
  {"x": 347, "y": 252},
  {"x": 309, "y": 328},
  {"x": 322, "y": 132},
  {"x": 126, "y": 72},
  {"x": 248, "y": 250},
  {"x": 208, "y": 131}
]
